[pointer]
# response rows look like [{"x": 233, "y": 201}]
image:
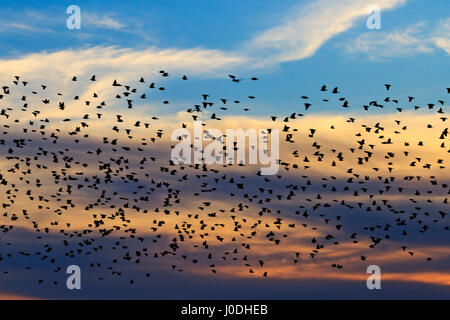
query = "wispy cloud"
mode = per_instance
[
  {"x": 441, "y": 36},
  {"x": 299, "y": 36},
  {"x": 38, "y": 21},
  {"x": 397, "y": 43},
  {"x": 28, "y": 22},
  {"x": 110, "y": 63},
  {"x": 418, "y": 38}
]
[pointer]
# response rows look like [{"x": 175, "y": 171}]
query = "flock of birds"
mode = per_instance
[{"x": 114, "y": 193}]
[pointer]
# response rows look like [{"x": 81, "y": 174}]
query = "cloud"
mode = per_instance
[
  {"x": 441, "y": 36},
  {"x": 109, "y": 63},
  {"x": 391, "y": 44},
  {"x": 305, "y": 31},
  {"x": 114, "y": 60},
  {"x": 26, "y": 26},
  {"x": 105, "y": 21},
  {"x": 298, "y": 37},
  {"x": 415, "y": 39}
]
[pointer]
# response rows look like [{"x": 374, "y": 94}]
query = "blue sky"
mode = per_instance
[
  {"x": 184, "y": 24},
  {"x": 415, "y": 66}
]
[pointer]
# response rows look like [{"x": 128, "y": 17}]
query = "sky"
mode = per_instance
[
  {"x": 329, "y": 42},
  {"x": 293, "y": 48}
]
